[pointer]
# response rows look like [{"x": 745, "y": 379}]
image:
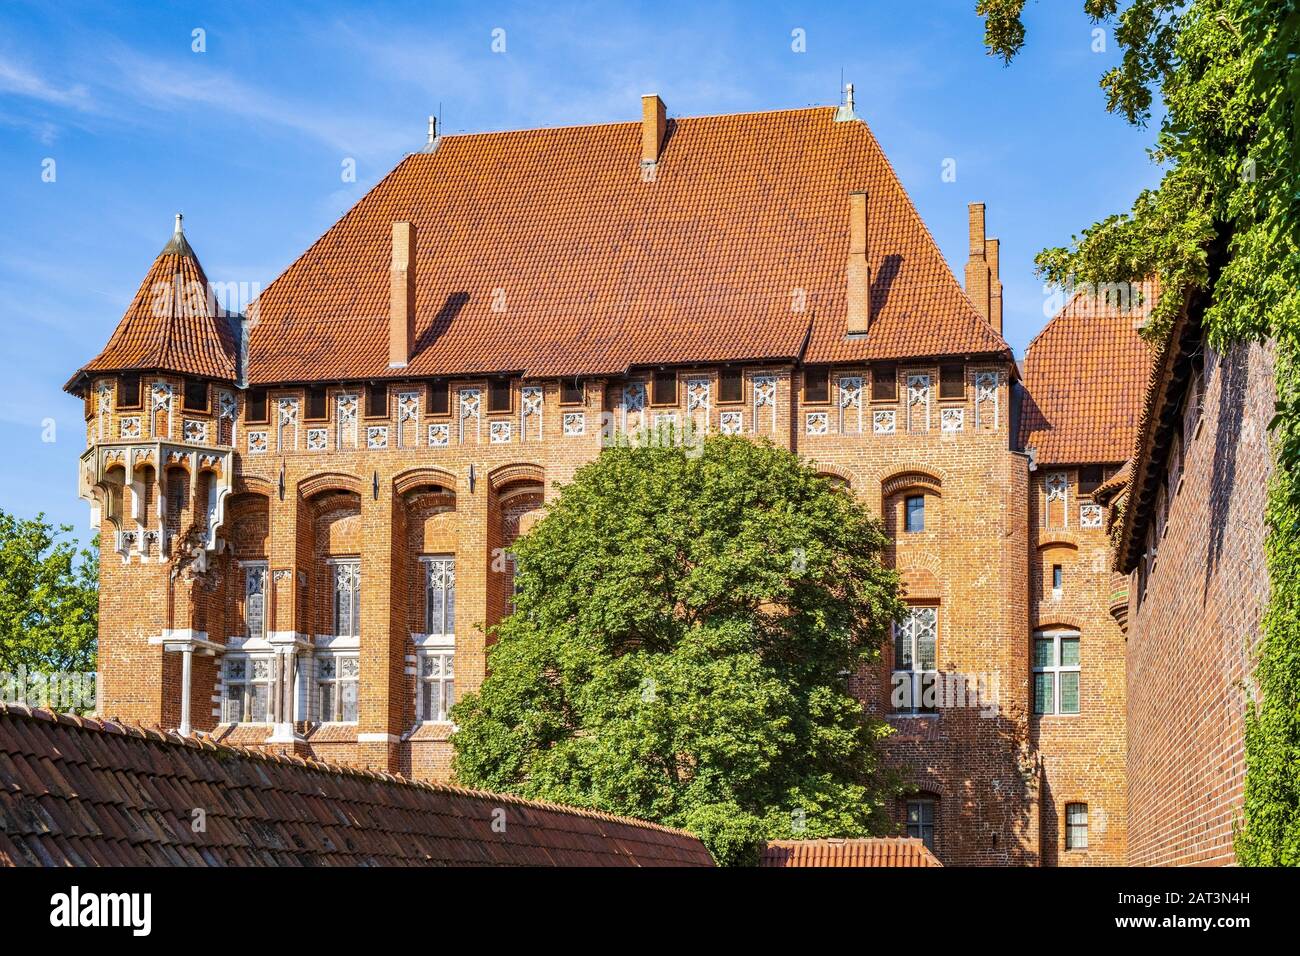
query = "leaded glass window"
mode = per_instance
[
  {"x": 1056, "y": 673},
  {"x": 440, "y": 595}
]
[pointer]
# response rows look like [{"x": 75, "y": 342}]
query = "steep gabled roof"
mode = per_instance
[
  {"x": 874, "y": 851},
  {"x": 1085, "y": 374},
  {"x": 82, "y": 792},
  {"x": 544, "y": 252},
  {"x": 173, "y": 324}
]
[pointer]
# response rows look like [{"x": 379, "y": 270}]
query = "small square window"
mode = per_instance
[
  {"x": 884, "y": 383},
  {"x": 255, "y": 405},
  {"x": 571, "y": 392},
  {"x": 731, "y": 386},
  {"x": 499, "y": 395},
  {"x": 664, "y": 389},
  {"x": 128, "y": 391},
  {"x": 817, "y": 383},
  {"x": 952, "y": 381},
  {"x": 196, "y": 396},
  {"x": 915, "y": 513},
  {"x": 439, "y": 397},
  {"x": 376, "y": 401},
  {"x": 317, "y": 407}
]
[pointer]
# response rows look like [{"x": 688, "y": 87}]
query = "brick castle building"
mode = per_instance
[{"x": 306, "y": 510}]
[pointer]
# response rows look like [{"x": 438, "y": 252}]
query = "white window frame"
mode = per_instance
[
  {"x": 330, "y": 677},
  {"x": 917, "y": 674},
  {"x": 1070, "y": 843},
  {"x": 247, "y": 681},
  {"x": 438, "y": 689},
  {"x": 1056, "y": 669}
]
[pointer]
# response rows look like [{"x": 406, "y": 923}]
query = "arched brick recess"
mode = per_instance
[{"x": 330, "y": 481}]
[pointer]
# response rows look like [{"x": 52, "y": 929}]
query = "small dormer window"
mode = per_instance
[
  {"x": 376, "y": 401},
  {"x": 571, "y": 392},
  {"x": 817, "y": 384},
  {"x": 664, "y": 389},
  {"x": 255, "y": 405},
  {"x": 731, "y": 386},
  {"x": 884, "y": 383},
  {"x": 952, "y": 381},
  {"x": 317, "y": 406}
]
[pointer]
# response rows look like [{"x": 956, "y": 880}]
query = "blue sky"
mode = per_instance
[{"x": 250, "y": 138}]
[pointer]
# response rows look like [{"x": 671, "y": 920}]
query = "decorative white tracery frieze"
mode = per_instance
[
  {"x": 699, "y": 402},
  {"x": 130, "y": 427},
  {"x": 227, "y": 411},
  {"x": 195, "y": 431},
  {"x": 530, "y": 412},
  {"x": 817, "y": 423},
  {"x": 632, "y": 407},
  {"x": 952, "y": 419},
  {"x": 765, "y": 397},
  {"x": 286, "y": 424},
  {"x": 346, "y": 430},
  {"x": 317, "y": 439},
  {"x": 161, "y": 400},
  {"x": 1089, "y": 516},
  {"x": 471, "y": 409},
  {"x": 377, "y": 437},
  {"x": 257, "y": 442},
  {"x": 850, "y": 404},
  {"x": 986, "y": 400},
  {"x": 575, "y": 424},
  {"x": 732, "y": 423},
  {"x": 440, "y": 435},
  {"x": 408, "y": 410},
  {"x": 918, "y": 402},
  {"x": 104, "y": 400},
  {"x": 884, "y": 422},
  {"x": 499, "y": 433},
  {"x": 1057, "y": 488}
]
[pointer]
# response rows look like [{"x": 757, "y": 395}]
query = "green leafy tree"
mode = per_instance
[
  {"x": 1223, "y": 229},
  {"x": 49, "y": 598},
  {"x": 685, "y": 622}
]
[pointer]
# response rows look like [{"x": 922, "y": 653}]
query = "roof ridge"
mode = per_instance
[
  {"x": 119, "y": 727},
  {"x": 634, "y": 123}
]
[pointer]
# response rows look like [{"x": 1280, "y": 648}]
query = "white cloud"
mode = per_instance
[{"x": 21, "y": 82}]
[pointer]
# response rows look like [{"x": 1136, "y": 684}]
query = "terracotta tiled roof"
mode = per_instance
[
  {"x": 173, "y": 324},
  {"x": 878, "y": 851},
  {"x": 1085, "y": 374},
  {"x": 598, "y": 270},
  {"x": 83, "y": 792}
]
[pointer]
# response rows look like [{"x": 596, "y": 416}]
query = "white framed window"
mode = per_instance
[
  {"x": 347, "y": 598},
  {"x": 255, "y": 601},
  {"x": 246, "y": 689},
  {"x": 1056, "y": 672},
  {"x": 337, "y": 680},
  {"x": 440, "y": 595},
  {"x": 915, "y": 671},
  {"x": 437, "y": 690},
  {"x": 1076, "y": 826},
  {"x": 920, "y": 821}
]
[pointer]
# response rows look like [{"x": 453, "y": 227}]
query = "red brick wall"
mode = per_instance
[{"x": 1191, "y": 634}]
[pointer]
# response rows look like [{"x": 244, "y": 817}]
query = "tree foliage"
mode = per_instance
[
  {"x": 49, "y": 598},
  {"x": 1225, "y": 222},
  {"x": 685, "y": 621}
]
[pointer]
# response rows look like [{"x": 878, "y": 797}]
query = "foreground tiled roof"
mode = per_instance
[
  {"x": 878, "y": 851},
  {"x": 1085, "y": 374},
  {"x": 173, "y": 324},
  {"x": 593, "y": 270},
  {"x": 86, "y": 792}
]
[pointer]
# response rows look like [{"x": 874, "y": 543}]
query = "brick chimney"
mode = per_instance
[
  {"x": 977, "y": 267},
  {"x": 401, "y": 297},
  {"x": 995, "y": 285},
  {"x": 654, "y": 121},
  {"x": 858, "y": 272}
]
